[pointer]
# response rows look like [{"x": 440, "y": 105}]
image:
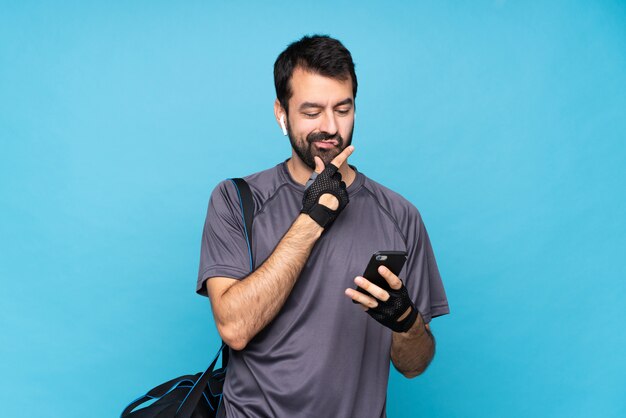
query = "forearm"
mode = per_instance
[
  {"x": 412, "y": 351},
  {"x": 250, "y": 304}
]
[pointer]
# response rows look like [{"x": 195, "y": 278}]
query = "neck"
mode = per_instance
[{"x": 301, "y": 172}]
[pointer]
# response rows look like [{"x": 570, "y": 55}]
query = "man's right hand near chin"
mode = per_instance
[{"x": 326, "y": 196}]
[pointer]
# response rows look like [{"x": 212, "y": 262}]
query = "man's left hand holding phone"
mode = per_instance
[{"x": 392, "y": 308}]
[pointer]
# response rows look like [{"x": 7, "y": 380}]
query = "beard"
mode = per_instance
[{"x": 306, "y": 150}]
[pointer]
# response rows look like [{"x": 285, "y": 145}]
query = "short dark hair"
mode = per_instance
[{"x": 320, "y": 54}]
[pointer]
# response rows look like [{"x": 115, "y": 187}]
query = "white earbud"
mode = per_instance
[{"x": 282, "y": 124}]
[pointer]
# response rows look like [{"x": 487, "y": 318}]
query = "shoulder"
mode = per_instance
[
  {"x": 402, "y": 211},
  {"x": 263, "y": 185}
]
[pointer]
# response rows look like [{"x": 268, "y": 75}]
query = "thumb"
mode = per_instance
[{"x": 319, "y": 164}]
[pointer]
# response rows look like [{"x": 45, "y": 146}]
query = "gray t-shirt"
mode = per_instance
[{"x": 322, "y": 356}]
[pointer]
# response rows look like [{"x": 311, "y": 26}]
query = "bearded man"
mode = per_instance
[{"x": 298, "y": 345}]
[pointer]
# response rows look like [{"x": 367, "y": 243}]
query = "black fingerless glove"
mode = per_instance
[
  {"x": 328, "y": 181},
  {"x": 387, "y": 313}
]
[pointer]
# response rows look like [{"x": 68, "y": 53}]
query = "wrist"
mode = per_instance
[
  {"x": 310, "y": 225},
  {"x": 419, "y": 327},
  {"x": 417, "y": 330}
]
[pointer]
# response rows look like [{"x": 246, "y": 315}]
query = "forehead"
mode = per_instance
[{"x": 307, "y": 86}]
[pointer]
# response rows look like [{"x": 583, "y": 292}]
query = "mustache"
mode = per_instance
[{"x": 322, "y": 136}]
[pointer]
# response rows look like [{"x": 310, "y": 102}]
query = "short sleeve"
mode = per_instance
[
  {"x": 422, "y": 274},
  {"x": 224, "y": 249}
]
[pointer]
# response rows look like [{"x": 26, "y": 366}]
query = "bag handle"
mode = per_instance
[
  {"x": 188, "y": 405},
  {"x": 158, "y": 392},
  {"x": 246, "y": 202}
]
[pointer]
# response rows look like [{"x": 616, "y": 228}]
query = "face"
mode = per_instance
[{"x": 321, "y": 116}]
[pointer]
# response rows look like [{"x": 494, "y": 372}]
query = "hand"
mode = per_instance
[
  {"x": 394, "y": 309},
  {"x": 326, "y": 196},
  {"x": 328, "y": 199}
]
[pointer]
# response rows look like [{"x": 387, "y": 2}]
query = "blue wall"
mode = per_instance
[{"x": 504, "y": 122}]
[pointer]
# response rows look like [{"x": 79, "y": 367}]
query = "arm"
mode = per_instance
[
  {"x": 412, "y": 351},
  {"x": 243, "y": 308}
]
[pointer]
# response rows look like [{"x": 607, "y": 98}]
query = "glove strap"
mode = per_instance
[
  {"x": 322, "y": 215},
  {"x": 406, "y": 324}
]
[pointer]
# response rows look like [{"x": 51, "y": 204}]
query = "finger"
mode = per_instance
[
  {"x": 371, "y": 288},
  {"x": 359, "y": 297},
  {"x": 319, "y": 164},
  {"x": 391, "y": 278},
  {"x": 342, "y": 157}
]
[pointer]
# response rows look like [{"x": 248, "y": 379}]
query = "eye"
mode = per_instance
[
  {"x": 311, "y": 115},
  {"x": 343, "y": 111}
]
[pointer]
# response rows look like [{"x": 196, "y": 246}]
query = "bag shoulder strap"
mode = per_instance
[
  {"x": 246, "y": 202},
  {"x": 247, "y": 212}
]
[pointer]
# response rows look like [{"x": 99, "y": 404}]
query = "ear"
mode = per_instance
[
  {"x": 279, "y": 111},
  {"x": 281, "y": 115}
]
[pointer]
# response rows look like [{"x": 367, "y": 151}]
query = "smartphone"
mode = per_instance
[{"x": 393, "y": 260}]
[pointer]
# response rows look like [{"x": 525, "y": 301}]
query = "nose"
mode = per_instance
[{"x": 328, "y": 123}]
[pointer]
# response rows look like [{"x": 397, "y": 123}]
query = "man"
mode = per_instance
[{"x": 299, "y": 347}]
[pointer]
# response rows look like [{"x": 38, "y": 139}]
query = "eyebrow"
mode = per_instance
[{"x": 307, "y": 105}]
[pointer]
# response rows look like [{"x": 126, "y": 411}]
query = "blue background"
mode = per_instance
[{"x": 503, "y": 121}]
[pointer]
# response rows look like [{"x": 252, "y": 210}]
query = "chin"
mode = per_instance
[{"x": 329, "y": 155}]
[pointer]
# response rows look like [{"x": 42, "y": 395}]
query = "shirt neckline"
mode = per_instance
[{"x": 359, "y": 179}]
